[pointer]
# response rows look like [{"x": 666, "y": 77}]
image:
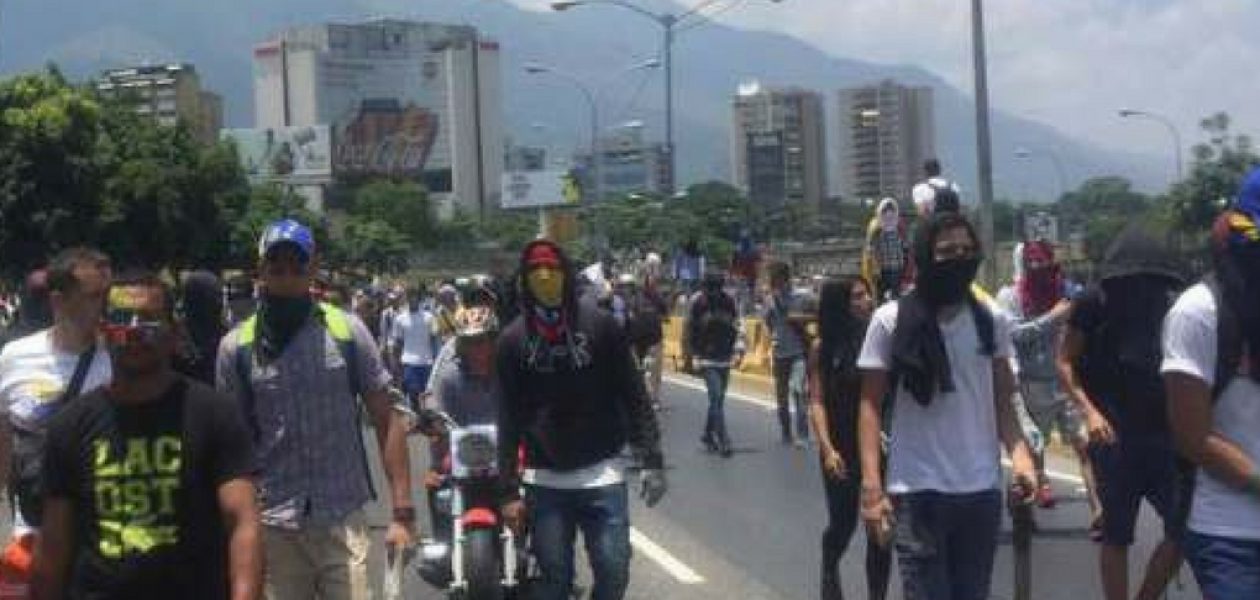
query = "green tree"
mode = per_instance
[
  {"x": 268, "y": 203},
  {"x": 404, "y": 207},
  {"x": 1219, "y": 166},
  {"x": 48, "y": 132},
  {"x": 166, "y": 200},
  {"x": 1101, "y": 208},
  {"x": 372, "y": 243}
]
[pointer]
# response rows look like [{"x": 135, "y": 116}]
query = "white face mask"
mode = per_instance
[{"x": 888, "y": 220}]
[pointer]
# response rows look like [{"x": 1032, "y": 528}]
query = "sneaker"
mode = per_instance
[
  {"x": 1045, "y": 497},
  {"x": 709, "y": 441},
  {"x": 800, "y": 444}
]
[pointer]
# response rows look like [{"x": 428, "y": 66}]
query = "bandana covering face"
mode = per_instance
[
  {"x": 546, "y": 284},
  {"x": 1039, "y": 289}
]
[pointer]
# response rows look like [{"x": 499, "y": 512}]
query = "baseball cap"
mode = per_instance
[
  {"x": 1249, "y": 195},
  {"x": 287, "y": 231}
]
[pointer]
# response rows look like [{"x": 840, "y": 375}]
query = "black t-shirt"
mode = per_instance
[
  {"x": 144, "y": 482},
  {"x": 1120, "y": 366}
]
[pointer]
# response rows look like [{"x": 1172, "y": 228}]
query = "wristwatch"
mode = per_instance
[{"x": 405, "y": 514}]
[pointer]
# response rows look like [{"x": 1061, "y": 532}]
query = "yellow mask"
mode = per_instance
[{"x": 546, "y": 284}]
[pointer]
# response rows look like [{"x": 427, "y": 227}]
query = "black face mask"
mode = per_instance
[
  {"x": 281, "y": 317},
  {"x": 948, "y": 282}
]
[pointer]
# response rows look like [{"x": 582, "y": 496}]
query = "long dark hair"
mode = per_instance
[{"x": 840, "y": 332}]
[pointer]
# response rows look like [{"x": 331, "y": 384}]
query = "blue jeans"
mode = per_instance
[
  {"x": 1226, "y": 569},
  {"x": 715, "y": 381},
  {"x": 945, "y": 543},
  {"x": 603, "y": 515},
  {"x": 790, "y": 389},
  {"x": 415, "y": 379}
]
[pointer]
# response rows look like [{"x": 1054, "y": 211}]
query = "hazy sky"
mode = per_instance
[{"x": 1068, "y": 63}]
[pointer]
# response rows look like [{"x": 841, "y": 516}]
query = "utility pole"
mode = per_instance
[{"x": 984, "y": 149}]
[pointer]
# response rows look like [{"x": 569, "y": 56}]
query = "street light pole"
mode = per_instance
[
  {"x": 668, "y": 22},
  {"x": 598, "y": 185},
  {"x": 1166, "y": 122},
  {"x": 984, "y": 150}
]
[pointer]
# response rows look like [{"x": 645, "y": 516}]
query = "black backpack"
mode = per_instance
[
  {"x": 644, "y": 322},
  {"x": 713, "y": 327},
  {"x": 26, "y": 482}
]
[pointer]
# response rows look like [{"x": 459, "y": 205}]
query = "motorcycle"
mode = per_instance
[{"x": 485, "y": 559}]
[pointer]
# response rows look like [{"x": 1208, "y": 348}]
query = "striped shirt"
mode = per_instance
[{"x": 310, "y": 443}]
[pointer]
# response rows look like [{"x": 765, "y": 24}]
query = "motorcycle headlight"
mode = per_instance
[{"x": 475, "y": 451}]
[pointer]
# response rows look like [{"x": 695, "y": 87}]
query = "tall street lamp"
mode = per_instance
[
  {"x": 984, "y": 148},
  {"x": 668, "y": 22},
  {"x": 1059, "y": 171},
  {"x": 1172, "y": 129},
  {"x": 534, "y": 68}
]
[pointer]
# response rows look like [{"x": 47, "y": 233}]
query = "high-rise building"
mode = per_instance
[
  {"x": 630, "y": 164},
  {"x": 403, "y": 99},
  {"x": 778, "y": 153},
  {"x": 167, "y": 94},
  {"x": 886, "y": 132}
]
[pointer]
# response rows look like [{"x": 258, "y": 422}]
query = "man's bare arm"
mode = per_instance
[
  {"x": 238, "y": 503},
  {"x": 391, "y": 436},
  {"x": 54, "y": 550},
  {"x": 1190, "y": 416}
]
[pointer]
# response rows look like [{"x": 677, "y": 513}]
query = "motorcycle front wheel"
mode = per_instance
[{"x": 481, "y": 565}]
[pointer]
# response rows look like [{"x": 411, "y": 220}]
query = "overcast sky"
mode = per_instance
[{"x": 1067, "y": 63}]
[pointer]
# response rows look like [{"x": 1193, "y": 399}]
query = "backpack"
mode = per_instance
[
  {"x": 644, "y": 322},
  {"x": 26, "y": 485},
  {"x": 337, "y": 323},
  {"x": 713, "y": 327}
]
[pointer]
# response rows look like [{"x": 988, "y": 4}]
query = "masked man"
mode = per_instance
[{"x": 574, "y": 399}]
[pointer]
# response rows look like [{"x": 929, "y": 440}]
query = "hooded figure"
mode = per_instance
[
  {"x": 1040, "y": 286},
  {"x": 574, "y": 399},
  {"x": 1236, "y": 265},
  {"x": 1121, "y": 315},
  {"x": 202, "y": 308},
  {"x": 918, "y": 353},
  {"x": 886, "y": 261}
]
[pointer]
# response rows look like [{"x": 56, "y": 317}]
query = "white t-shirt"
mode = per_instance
[
  {"x": 414, "y": 330},
  {"x": 33, "y": 376},
  {"x": 1190, "y": 348},
  {"x": 601, "y": 474},
  {"x": 950, "y": 445},
  {"x": 924, "y": 193}
]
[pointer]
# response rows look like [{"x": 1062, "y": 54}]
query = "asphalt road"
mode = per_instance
[{"x": 748, "y": 527}]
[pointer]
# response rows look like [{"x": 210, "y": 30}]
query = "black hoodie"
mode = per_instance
[
  {"x": 576, "y": 401},
  {"x": 1121, "y": 318}
]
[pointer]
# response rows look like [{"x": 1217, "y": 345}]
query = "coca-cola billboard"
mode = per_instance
[{"x": 385, "y": 138}]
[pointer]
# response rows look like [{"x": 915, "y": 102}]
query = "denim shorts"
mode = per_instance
[
  {"x": 1128, "y": 472},
  {"x": 1226, "y": 569}
]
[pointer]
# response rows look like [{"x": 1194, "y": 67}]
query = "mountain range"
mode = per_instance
[{"x": 596, "y": 44}]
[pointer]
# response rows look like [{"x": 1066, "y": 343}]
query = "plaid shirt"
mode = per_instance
[
  {"x": 890, "y": 250},
  {"x": 310, "y": 445}
]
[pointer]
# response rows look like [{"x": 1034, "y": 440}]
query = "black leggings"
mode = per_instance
[{"x": 843, "y": 512}]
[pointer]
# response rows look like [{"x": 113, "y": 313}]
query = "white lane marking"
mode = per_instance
[
  {"x": 767, "y": 404},
  {"x": 684, "y": 574}
]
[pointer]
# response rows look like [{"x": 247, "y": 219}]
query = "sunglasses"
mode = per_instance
[{"x": 122, "y": 326}]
